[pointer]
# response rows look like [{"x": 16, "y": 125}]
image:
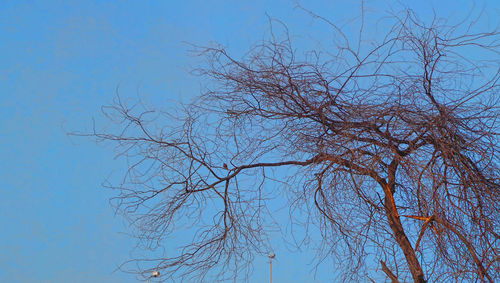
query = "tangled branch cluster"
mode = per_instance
[{"x": 394, "y": 145}]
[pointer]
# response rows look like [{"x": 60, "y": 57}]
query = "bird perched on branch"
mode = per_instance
[{"x": 224, "y": 166}]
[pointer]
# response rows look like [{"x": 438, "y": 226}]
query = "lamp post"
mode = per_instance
[
  {"x": 154, "y": 274},
  {"x": 271, "y": 256}
]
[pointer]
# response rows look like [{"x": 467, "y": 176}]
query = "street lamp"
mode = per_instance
[
  {"x": 271, "y": 255},
  {"x": 154, "y": 274}
]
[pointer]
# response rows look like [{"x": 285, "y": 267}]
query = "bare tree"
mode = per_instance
[{"x": 391, "y": 146}]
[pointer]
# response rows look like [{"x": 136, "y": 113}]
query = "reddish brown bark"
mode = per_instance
[
  {"x": 394, "y": 221},
  {"x": 400, "y": 236}
]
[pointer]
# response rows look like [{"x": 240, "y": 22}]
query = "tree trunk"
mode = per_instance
[
  {"x": 397, "y": 228},
  {"x": 402, "y": 240}
]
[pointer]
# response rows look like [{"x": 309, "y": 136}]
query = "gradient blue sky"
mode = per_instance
[{"x": 59, "y": 62}]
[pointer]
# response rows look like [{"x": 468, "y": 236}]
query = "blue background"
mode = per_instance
[{"x": 60, "y": 61}]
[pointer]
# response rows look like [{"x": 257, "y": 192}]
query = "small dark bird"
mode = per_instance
[{"x": 224, "y": 166}]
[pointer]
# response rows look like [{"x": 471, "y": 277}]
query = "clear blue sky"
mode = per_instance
[{"x": 59, "y": 62}]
